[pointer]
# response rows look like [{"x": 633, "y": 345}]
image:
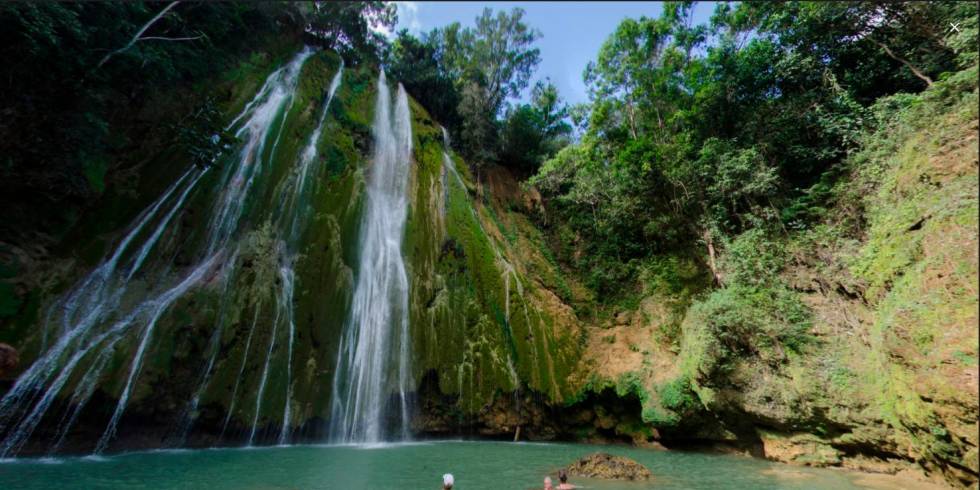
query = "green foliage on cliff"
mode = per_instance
[
  {"x": 920, "y": 261},
  {"x": 817, "y": 161},
  {"x": 69, "y": 66},
  {"x": 736, "y": 125}
]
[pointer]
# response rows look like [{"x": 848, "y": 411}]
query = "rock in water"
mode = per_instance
[
  {"x": 8, "y": 359},
  {"x": 609, "y": 467}
]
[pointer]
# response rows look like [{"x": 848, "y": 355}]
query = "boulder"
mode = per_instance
[{"x": 609, "y": 467}]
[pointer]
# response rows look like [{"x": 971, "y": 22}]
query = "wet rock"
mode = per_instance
[
  {"x": 8, "y": 359},
  {"x": 800, "y": 448},
  {"x": 604, "y": 419},
  {"x": 609, "y": 467},
  {"x": 582, "y": 416}
]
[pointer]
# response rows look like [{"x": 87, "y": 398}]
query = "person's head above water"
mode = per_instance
[
  {"x": 447, "y": 481},
  {"x": 547, "y": 483},
  {"x": 562, "y": 475}
]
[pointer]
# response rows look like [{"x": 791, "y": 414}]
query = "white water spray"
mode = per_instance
[
  {"x": 373, "y": 365},
  {"x": 93, "y": 315}
]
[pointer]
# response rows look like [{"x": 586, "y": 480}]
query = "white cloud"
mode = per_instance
[
  {"x": 408, "y": 18},
  {"x": 377, "y": 27}
]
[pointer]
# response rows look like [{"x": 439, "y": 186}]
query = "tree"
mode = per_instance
[
  {"x": 489, "y": 64},
  {"x": 620, "y": 78},
  {"x": 417, "y": 64},
  {"x": 700, "y": 133},
  {"x": 202, "y": 135},
  {"x": 139, "y": 36},
  {"x": 869, "y": 46},
  {"x": 536, "y": 131},
  {"x": 552, "y": 109},
  {"x": 499, "y": 51},
  {"x": 478, "y": 130},
  {"x": 352, "y": 28}
]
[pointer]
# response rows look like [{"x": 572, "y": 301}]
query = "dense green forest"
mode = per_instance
[{"x": 792, "y": 184}]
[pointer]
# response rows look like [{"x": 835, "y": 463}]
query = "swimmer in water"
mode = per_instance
[{"x": 563, "y": 479}]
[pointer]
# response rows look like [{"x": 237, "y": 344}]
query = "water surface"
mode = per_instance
[{"x": 476, "y": 465}]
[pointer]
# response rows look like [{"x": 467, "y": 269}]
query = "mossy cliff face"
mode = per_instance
[
  {"x": 219, "y": 368},
  {"x": 481, "y": 322},
  {"x": 865, "y": 327}
]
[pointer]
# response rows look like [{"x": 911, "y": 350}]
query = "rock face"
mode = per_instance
[
  {"x": 609, "y": 467},
  {"x": 8, "y": 359}
]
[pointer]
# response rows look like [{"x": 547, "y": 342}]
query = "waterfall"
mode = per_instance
[
  {"x": 447, "y": 163},
  {"x": 93, "y": 303},
  {"x": 190, "y": 412},
  {"x": 157, "y": 307},
  {"x": 241, "y": 371},
  {"x": 373, "y": 359},
  {"x": 292, "y": 215},
  {"x": 99, "y": 311},
  {"x": 273, "y": 100}
]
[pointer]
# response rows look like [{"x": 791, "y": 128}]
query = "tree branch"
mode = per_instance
[
  {"x": 157, "y": 38},
  {"x": 138, "y": 34},
  {"x": 712, "y": 264},
  {"x": 903, "y": 61}
]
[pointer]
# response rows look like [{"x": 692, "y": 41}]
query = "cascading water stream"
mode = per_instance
[
  {"x": 508, "y": 271},
  {"x": 157, "y": 308},
  {"x": 290, "y": 216},
  {"x": 277, "y": 98},
  {"x": 299, "y": 206},
  {"x": 241, "y": 371},
  {"x": 190, "y": 412},
  {"x": 93, "y": 302},
  {"x": 373, "y": 359},
  {"x": 292, "y": 213},
  {"x": 94, "y": 316}
]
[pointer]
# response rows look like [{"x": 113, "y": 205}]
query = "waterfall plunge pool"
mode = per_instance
[{"x": 475, "y": 464}]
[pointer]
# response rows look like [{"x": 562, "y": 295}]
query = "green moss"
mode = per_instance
[
  {"x": 658, "y": 417},
  {"x": 630, "y": 383},
  {"x": 467, "y": 294},
  {"x": 676, "y": 395}
]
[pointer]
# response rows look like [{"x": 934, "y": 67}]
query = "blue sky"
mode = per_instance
[{"x": 572, "y": 32}]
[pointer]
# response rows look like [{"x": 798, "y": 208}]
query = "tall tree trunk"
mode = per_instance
[
  {"x": 712, "y": 263},
  {"x": 632, "y": 116}
]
